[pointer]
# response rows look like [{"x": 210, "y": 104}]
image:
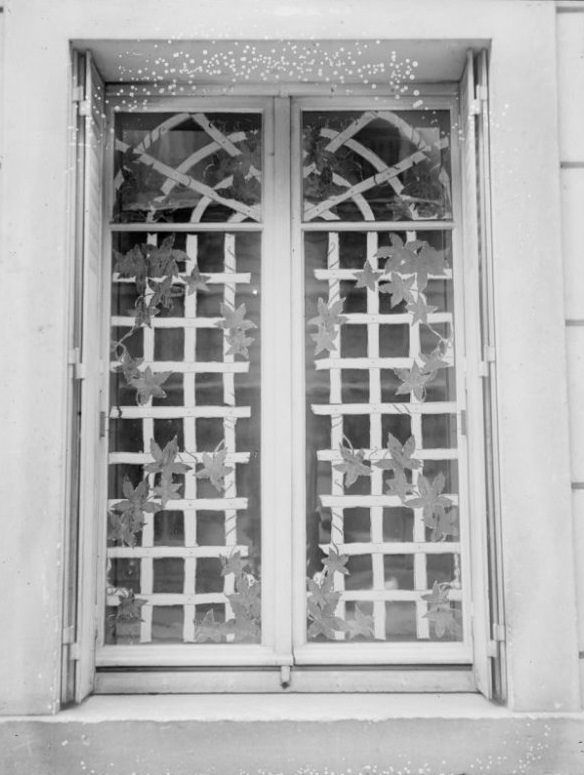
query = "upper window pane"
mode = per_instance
[
  {"x": 188, "y": 167},
  {"x": 377, "y": 165}
]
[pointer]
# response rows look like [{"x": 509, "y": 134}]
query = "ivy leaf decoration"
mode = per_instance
[
  {"x": 238, "y": 343},
  {"x": 352, "y": 466},
  {"x": 420, "y": 309},
  {"x": 446, "y": 620},
  {"x": 164, "y": 459},
  {"x": 144, "y": 313},
  {"x": 323, "y": 340},
  {"x": 209, "y": 629},
  {"x": 195, "y": 281},
  {"x": 162, "y": 293},
  {"x": 335, "y": 562},
  {"x": 132, "y": 264},
  {"x": 429, "y": 261},
  {"x": 135, "y": 504},
  {"x": 246, "y": 605},
  {"x": 162, "y": 259},
  {"x": 413, "y": 381},
  {"x": 167, "y": 490},
  {"x": 368, "y": 277},
  {"x": 401, "y": 457},
  {"x": 123, "y": 527},
  {"x": 148, "y": 385},
  {"x": 233, "y": 564},
  {"x": 130, "y": 607},
  {"x": 432, "y": 362},
  {"x": 400, "y": 289},
  {"x": 361, "y": 625},
  {"x": 329, "y": 316},
  {"x": 399, "y": 485},
  {"x": 401, "y": 257},
  {"x": 324, "y": 624},
  {"x": 129, "y": 366},
  {"x": 430, "y": 499},
  {"x": 446, "y": 524},
  {"x": 214, "y": 468}
]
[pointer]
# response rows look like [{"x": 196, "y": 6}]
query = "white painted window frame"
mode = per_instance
[{"x": 122, "y": 664}]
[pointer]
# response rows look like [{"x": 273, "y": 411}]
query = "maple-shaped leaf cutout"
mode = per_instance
[
  {"x": 209, "y": 629},
  {"x": 399, "y": 485},
  {"x": 238, "y": 343},
  {"x": 328, "y": 316},
  {"x": 432, "y": 362},
  {"x": 234, "y": 318},
  {"x": 214, "y": 469},
  {"x": 129, "y": 366},
  {"x": 246, "y": 602},
  {"x": 195, "y": 281},
  {"x": 144, "y": 313},
  {"x": 167, "y": 490},
  {"x": 335, "y": 561},
  {"x": 163, "y": 292},
  {"x": 132, "y": 264},
  {"x": 123, "y": 527},
  {"x": 400, "y": 456},
  {"x": 401, "y": 257},
  {"x": 130, "y": 608},
  {"x": 429, "y": 261},
  {"x": 323, "y": 340},
  {"x": 322, "y": 595},
  {"x": 445, "y": 618},
  {"x": 413, "y": 381},
  {"x": 446, "y": 524},
  {"x": 400, "y": 289},
  {"x": 136, "y": 502},
  {"x": 234, "y": 563},
  {"x": 326, "y": 625},
  {"x": 164, "y": 459},
  {"x": 430, "y": 498},
  {"x": 367, "y": 277},
  {"x": 162, "y": 258},
  {"x": 420, "y": 309},
  {"x": 361, "y": 625},
  {"x": 148, "y": 385},
  {"x": 352, "y": 465}
]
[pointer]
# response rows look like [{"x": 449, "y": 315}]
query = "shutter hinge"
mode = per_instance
[
  {"x": 463, "y": 424},
  {"x": 474, "y": 107},
  {"x": 81, "y": 102},
  {"x": 75, "y": 361},
  {"x": 493, "y": 644},
  {"x": 68, "y": 639},
  {"x": 490, "y": 354},
  {"x": 481, "y": 93}
]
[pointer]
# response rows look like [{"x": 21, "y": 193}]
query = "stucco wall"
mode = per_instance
[{"x": 36, "y": 265}]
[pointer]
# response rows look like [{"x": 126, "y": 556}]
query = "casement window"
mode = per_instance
[{"x": 283, "y": 452}]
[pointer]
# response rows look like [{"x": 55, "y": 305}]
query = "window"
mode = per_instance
[{"x": 290, "y": 480}]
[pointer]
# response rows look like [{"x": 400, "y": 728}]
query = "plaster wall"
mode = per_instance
[{"x": 36, "y": 263}]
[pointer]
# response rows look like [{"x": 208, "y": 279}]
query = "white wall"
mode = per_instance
[{"x": 35, "y": 266}]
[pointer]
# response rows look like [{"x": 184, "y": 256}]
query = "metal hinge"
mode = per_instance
[
  {"x": 498, "y": 637},
  {"x": 75, "y": 361},
  {"x": 79, "y": 99},
  {"x": 481, "y": 93},
  {"x": 68, "y": 639}
]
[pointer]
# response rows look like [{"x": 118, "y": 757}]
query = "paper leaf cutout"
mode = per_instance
[
  {"x": 235, "y": 326},
  {"x": 399, "y": 485},
  {"x": 135, "y": 504},
  {"x": 246, "y": 605},
  {"x": 148, "y": 385},
  {"x": 233, "y": 564},
  {"x": 163, "y": 293},
  {"x": 400, "y": 457},
  {"x": 368, "y": 277},
  {"x": 144, "y": 313},
  {"x": 329, "y": 316},
  {"x": 335, "y": 562},
  {"x": 361, "y": 625},
  {"x": 432, "y": 362},
  {"x": 446, "y": 524},
  {"x": 214, "y": 469},
  {"x": 167, "y": 490},
  {"x": 430, "y": 499},
  {"x": 429, "y": 261},
  {"x": 129, "y": 366},
  {"x": 130, "y": 608},
  {"x": 352, "y": 466},
  {"x": 420, "y": 309},
  {"x": 238, "y": 343},
  {"x": 123, "y": 527},
  {"x": 401, "y": 258},
  {"x": 413, "y": 381},
  {"x": 162, "y": 259},
  {"x": 164, "y": 460},
  {"x": 209, "y": 629},
  {"x": 323, "y": 340},
  {"x": 132, "y": 264},
  {"x": 195, "y": 281},
  {"x": 444, "y": 617},
  {"x": 400, "y": 289}
]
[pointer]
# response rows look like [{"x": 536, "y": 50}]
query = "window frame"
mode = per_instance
[{"x": 279, "y": 656}]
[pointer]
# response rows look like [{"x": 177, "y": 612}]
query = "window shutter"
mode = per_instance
[
  {"x": 480, "y": 364},
  {"x": 91, "y": 140}
]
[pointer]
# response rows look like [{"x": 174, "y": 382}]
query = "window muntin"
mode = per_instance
[{"x": 409, "y": 560}]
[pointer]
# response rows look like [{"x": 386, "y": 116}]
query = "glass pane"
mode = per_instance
[
  {"x": 184, "y": 538},
  {"x": 187, "y": 167},
  {"x": 378, "y": 165},
  {"x": 383, "y": 557}
]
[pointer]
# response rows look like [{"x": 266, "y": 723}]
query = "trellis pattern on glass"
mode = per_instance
[
  {"x": 183, "y": 556},
  {"x": 383, "y": 551}
]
